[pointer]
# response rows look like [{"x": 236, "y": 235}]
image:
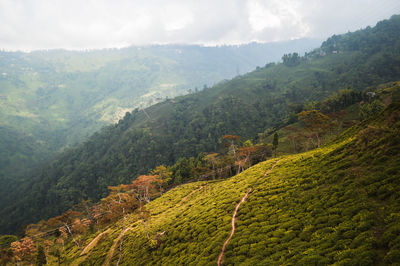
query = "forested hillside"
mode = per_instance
[
  {"x": 259, "y": 102},
  {"x": 337, "y": 204},
  {"x": 52, "y": 99}
]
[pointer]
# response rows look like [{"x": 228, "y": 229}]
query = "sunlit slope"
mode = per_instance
[{"x": 337, "y": 204}]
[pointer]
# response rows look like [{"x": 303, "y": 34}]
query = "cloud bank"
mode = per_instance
[{"x": 91, "y": 24}]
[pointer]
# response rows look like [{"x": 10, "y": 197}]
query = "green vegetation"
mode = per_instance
[
  {"x": 259, "y": 102},
  {"x": 50, "y": 100},
  {"x": 338, "y": 204}
]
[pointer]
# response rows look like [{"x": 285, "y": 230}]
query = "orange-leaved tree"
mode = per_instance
[
  {"x": 243, "y": 156},
  {"x": 144, "y": 187},
  {"x": 65, "y": 222},
  {"x": 24, "y": 250}
]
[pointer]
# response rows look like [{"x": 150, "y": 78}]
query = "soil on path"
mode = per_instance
[
  {"x": 221, "y": 255},
  {"x": 114, "y": 246}
]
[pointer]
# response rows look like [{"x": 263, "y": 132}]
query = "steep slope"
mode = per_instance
[
  {"x": 336, "y": 204},
  {"x": 185, "y": 126},
  {"x": 57, "y": 98}
]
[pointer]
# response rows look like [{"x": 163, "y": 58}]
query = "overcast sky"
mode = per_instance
[{"x": 88, "y": 24}]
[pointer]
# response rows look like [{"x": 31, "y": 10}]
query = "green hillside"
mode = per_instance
[
  {"x": 258, "y": 102},
  {"x": 56, "y": 98},
  {"x": 339, "y": 204}
]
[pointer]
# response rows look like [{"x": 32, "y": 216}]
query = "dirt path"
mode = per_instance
[
  {"x": 87, "y": 249},
  {"x": 114, "y": 246},
  {"x": 221, "y": 255},
  {"x": 188, "y": 195},
  {"x": 115, "y": 243},
  {"x": 272, "y": 168},
  {"x": 93, "y": 242}
]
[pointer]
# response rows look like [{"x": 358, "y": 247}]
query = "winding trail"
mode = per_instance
[
  {"x": 221, "y": 255},
  {"x": 272, "y": 168},
  {"x": 93, "y": 242},
  {"x": 86, "y": 250},
  {"x": 115, "y": 243},
  {"x": 188, "y": 195},
  {"x": 114, "y": 246}
]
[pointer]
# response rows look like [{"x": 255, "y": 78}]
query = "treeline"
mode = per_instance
[{"x": 369, "y": 41}]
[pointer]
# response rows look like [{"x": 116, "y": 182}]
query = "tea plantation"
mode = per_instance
[{"x": 339, "y": 204}]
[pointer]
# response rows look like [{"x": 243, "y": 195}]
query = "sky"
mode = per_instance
[{"x": 92, "y": 24}]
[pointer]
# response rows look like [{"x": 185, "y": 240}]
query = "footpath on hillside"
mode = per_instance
[
  {"x": 121, "y": 235},
  {"x": 221, "y": 255},
  {"x": 114, "y": 246}
]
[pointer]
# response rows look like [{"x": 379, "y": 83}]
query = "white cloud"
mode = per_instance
[
  {"x": 77, "y": 24},
  {"x": 261, "y": 17},
  {"x": 279, "y": 19}
]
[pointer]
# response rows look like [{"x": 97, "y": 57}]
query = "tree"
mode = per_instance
[
  {"x": 212, "y": 159},
  {"x": 316, "y": 123},
  {"x": 164, "y": 174},
  {"x": 291, "y": 59},
  {"x": 24, "y": 250},
  {"x": 66, "y": 221},
  {"x": 144, "y": 216},
  {"x": 41, "y": 257},
  {"x": 117, "y": 204},
  {"x": 144, "y": 186},
  {"x": 275, "y": 142},
  {"x": 6, "y": 256},
  {"x": 294, "y": 136},
  {"x": 6, "y": 240},
  {"x": 369, "y": 109},
  {"x": 54, "y": 251},
  {"x": 244, "y": 154},
  {"x": 232, "y": 146}
]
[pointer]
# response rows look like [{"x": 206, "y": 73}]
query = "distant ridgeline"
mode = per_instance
[
  {"x": 53, "y": 99},
  {"x": 251, "y": 106}
]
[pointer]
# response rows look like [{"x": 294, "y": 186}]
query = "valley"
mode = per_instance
[{"x": 293, "y": 163}]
